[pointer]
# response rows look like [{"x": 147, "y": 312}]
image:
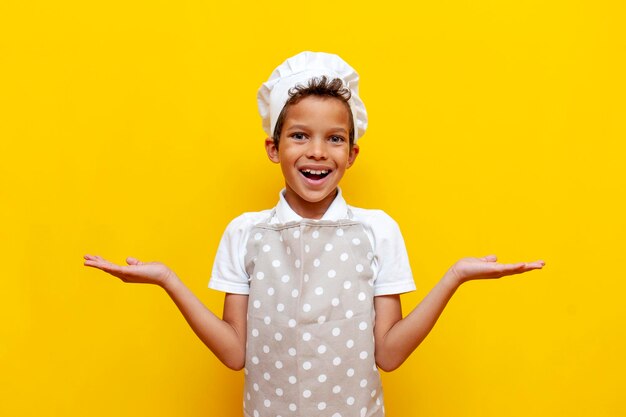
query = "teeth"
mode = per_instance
[{"x": 314, "y": 172}]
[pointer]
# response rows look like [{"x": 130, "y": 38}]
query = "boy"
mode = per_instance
[{"x": 312, "y": 306}]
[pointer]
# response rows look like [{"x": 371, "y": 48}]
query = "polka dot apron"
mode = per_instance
[{"x": 310, "y": 343}]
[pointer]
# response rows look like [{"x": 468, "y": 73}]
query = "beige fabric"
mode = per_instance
[{"x": 310, "y": 349}]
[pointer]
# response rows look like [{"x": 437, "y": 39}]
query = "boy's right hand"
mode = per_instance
[{"x": 135, "y": 272}]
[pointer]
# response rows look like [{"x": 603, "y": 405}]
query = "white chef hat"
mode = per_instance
[{"x": 298, "y": 70}]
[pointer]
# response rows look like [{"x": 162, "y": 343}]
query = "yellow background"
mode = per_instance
[{"x": 130, "y": 128}]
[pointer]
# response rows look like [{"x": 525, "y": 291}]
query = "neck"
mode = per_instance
[{"x": 308, "y": 209}]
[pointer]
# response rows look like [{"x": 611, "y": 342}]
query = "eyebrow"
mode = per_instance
[{"x": 305, "y": 127}]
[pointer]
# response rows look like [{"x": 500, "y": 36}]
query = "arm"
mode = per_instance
[
  {"x": 225, "y": 337},
  {"x": 396, "y": 337}
]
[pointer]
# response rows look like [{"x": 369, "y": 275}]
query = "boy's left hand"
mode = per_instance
[{"x": 467, "y": 269}]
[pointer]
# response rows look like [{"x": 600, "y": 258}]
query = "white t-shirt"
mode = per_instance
[{"x": 392, "y": 272}]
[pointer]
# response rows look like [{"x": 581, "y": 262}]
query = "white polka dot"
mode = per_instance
[
  {"x": 336, "y": 389},
  {"x": 347, "y": 285},
  {"x": 328, "y": 247},
  {"x": 258, "y": 236},
  {"x": 339, "y": 232},
  {"x": 266, "y": 349},
  {"x": 363, "y": 383},
  {"x": 248, "y": 395},
  {"x": 319, "y": 291},
  {"x": 267, "y": 320},
  {"x": 292, "y": 352},
  {"x": 306, "y": 308},
  {"x": 296, "y": 234},
  {"x": 260, "y": 275},
  {"x": 297, "y": 263},
  {"x": 278, "y": 365},
  {"x": 332, "y": 273},
  {"x": 292, "y": 380},
  {"x": 350, "y": 344},
  {"x": 270, "y": 291},
  {"x": 293, "y": 407},
  {"x": 307, "y": 248},
  {"x": 362, "y": 325},
  {"x": 356, "y": 241},
  {"x": 267, "y": 376},
  {"x": 349, "y": 314},
  {"x": 295, "y": 293},
  {"x": 362, "y": 296},
  {"x": 288, "y": 250},
  {"x": 336, "y": 331},
  {"x": 359, "y": 268},
  {"x": 322, "y": 378},
  {"x": 278, "y": 337},
  {"x": 370, "y": 282},
  {"x": 344, "y": 257},
  {"x": 321, "y": 406},
  {"x": 255, "y": 332},
  {"x": 256, "y": 304},
  {"x": 292, "y": 323},
  {"x": 363, "y": 355},
  {"x": 350, "y": 401},
  {"x": 255, "y": 360},
  {"x": 267, "y": 248},
  {"x": 256, "y": 413},
  {"x": 280, "y": 307},
  {"x": 373, "y": 394},
  {"x": 285, "y": 278},
  {"x": 306, "y": 393},
  {"x": 315, "y": 234},
  {"x": 306, "y": 365},
  {"x": 370, "y": 256},
  {"x": 316, "y": 262},
  {"x": 279, "y": 392},
  {"x": 321, "y": 319},
  {"x": 275, "y": 263},
  {"x": 306, "y": 277},
  {"x": 337, "y": 361},
  {"x": 350, "y": 372},
  {"x": 255, "y": 386},
  {"x": 321, "y": 349},
  {"x": 335, "y": 302},
  {"x": 306, "y": 336},
  {"x": 363, "y": 411},
  {"x": 336, "y": 415}
]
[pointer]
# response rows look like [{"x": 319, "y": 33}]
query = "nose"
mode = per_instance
[{"x": 317, "y": 149}]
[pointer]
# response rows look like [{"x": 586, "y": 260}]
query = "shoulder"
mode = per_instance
[
  {"x": 376, "y": 220},
  {"x": 246, "y": 221}
]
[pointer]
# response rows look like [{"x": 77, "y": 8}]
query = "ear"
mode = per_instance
[
  {"x": 272, "y": 150},
  {"x": 354, "y": 152}
]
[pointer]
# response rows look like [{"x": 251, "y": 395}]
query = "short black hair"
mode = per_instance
[{"x": 319, "y": 87}]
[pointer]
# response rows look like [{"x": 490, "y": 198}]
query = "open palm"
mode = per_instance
[
  {"x": 467, "y": 269},
  {"x": 135, "y": 272}
]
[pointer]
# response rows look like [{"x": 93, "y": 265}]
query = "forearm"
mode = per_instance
[
  {"x": 407, "y": 334},
  {"x": 221, "y": 337}
]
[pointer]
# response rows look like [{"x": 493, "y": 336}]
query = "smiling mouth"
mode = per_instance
[{"x": 315, "y": 174}]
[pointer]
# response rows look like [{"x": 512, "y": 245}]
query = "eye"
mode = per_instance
[
  {"x": 336, "y": 139},
  {"x": 298, "y": 135}
]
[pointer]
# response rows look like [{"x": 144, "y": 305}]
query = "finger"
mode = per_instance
[
  {"x": 133, "y": 261},
  {"x": 489, "y": 258}
]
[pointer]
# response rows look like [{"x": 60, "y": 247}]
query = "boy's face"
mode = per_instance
[{"x": 314, "y": 153}]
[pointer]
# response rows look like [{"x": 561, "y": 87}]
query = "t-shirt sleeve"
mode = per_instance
[
  {"x": 391, "y": 260},
  {"x": 229, "y": 273}
]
